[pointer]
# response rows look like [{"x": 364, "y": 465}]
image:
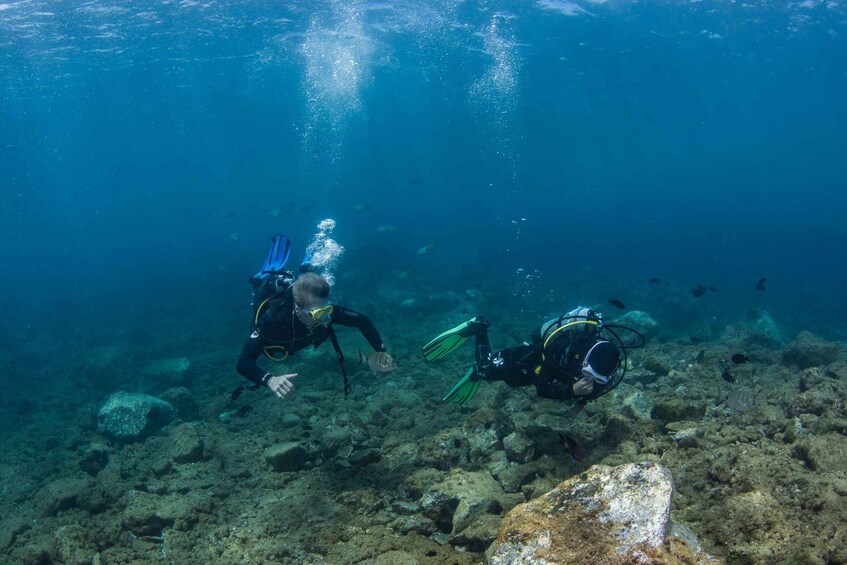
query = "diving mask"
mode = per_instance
[{"x": 601, "y": 362}]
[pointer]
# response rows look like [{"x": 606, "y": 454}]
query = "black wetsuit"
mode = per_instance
[
  {"x": 516, "y": 366},
  {"x": 279, "y": 332}
]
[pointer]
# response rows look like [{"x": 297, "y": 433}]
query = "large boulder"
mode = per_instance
[
  {"x": 132, "y": 416},
  {"x": 642, "y": 322},
  {"x": 764, "y": 327},
  {"x": 607, "y": 515},
  {"x": 809, "y": 350}
]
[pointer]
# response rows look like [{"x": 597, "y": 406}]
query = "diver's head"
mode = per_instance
[
  {"x": 601, "y": 362},
  {"x": 311, "y": 299}
]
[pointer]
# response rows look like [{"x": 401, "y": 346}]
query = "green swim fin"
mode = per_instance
[
  {"x": 450, "y": 340},
  {"x": 464, "y": 390}
]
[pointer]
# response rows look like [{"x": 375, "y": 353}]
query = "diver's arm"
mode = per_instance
[
  {"x": 247, "y": 365},
  {"x": 555, "y": 390},
  {"x": 346, "y": 317}
]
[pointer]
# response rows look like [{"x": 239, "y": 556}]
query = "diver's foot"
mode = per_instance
[{"x": 474, "y": 326}]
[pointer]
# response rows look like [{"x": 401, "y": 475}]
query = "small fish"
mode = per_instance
[
  {"x": 713, "y": 289},
  {"x": 387, "y": 229},
  {"x": 617, "y": 303},
  {"x": 226, "y": 213},
  {"x": 419, "y": 180},
  {"x": 655, "y": 280},
  {"x": 274, "y": 213},
  {"x": 726, "y": 375},
  {"x": 363, "y": 207},
  {"x": 739, "y": 358},
  {"x": 426, "y": 248},
  {"x": 694, "y": 340},
  {"x": 378, "y": 361},
  {"x": 572, "y": 447},
  {"x": 760, "y": 285},
  {"x": 234, "y": 236},
  {"x": 699, "y": 357},
  {"x": 699, "y": 291},
  {"x": 741, "y": 400}
]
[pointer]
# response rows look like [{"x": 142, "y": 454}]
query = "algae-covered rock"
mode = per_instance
[
  {"x": 181, "y": 399},
  {"x": 73, "y": 544},
  {"x": 518, "y": 447},
  {"x": 132, "y": 416},
  {"x": 676, "y": 409},
  {"x": 60, "y": 495},
  {"x": 287, "y": 457},
  {"x": 606, "y": 515},
  {"x": 638, "y": 406},
  {"x": 95, "y": 459},
  {"x": 809, "y": 350},
  {"x": 763, "y": 325},
  {"x": 484, "y": 431},
  {"x": 186, "y": 445},
  {"x": 462, "y": 497},
  {"x": 656, "y": 365},
  {"x": 641, "y": 322}
]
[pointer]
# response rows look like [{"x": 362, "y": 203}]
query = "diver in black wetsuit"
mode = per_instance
[
  {"x": 292, "y": 319},
  {"x": 567, "y": 357}
]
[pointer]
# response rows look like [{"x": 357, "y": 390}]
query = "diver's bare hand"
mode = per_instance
[
  {"x": 282, "y": 385},
  {"x": 583, "y": 386}
]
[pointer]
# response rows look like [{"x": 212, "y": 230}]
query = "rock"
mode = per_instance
[
  {"x": 484, "y": 431},
  {"x": 687, "y": 437},
  {"x": 364, "y": 457},
  {"x": 418, "y": 524},
  {"x": 479, "y": 534},
  {"x": 606, "y": 515},
  {"x": 513, "y": 476},
  {"x": 187, "y": 446},
  {"x": 462, "y": 497},
  {"x": 809, "y": 350},
  {"x": 60, "y": 495},
  {"x": 676, "y": 409},
  {"x": 404, "y": 508},
  {"x": 94, "y": 459},
  {"x": 812, "y": 401},
  {"x": 73, "y": 544},
  {"x": 287, "y": 457},
  {"x": 763, "y": 326},
  {"x": 181, "y": 399},
  {"x": 290, "y": 420},
  {"x": 641, "y": 322},
  {"x": 638, "y": 406},
  {"x": 132, "y": 416},
  {"x": 146, "y": 515},
  {"x": 518, "y": 447},
  {"x": 659, "y": 366}
]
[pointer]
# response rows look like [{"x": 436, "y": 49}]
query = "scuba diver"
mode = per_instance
[
  {"x": 289, "y": 314},
  {"x": 573, "y": 356}
]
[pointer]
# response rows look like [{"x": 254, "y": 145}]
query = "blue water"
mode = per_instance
[{"x": 150, "y": 150}]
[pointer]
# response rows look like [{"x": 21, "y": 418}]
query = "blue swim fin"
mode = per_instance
[
  {"x": 306, "y": 266},
  {"x": 277, "y": 256}
]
